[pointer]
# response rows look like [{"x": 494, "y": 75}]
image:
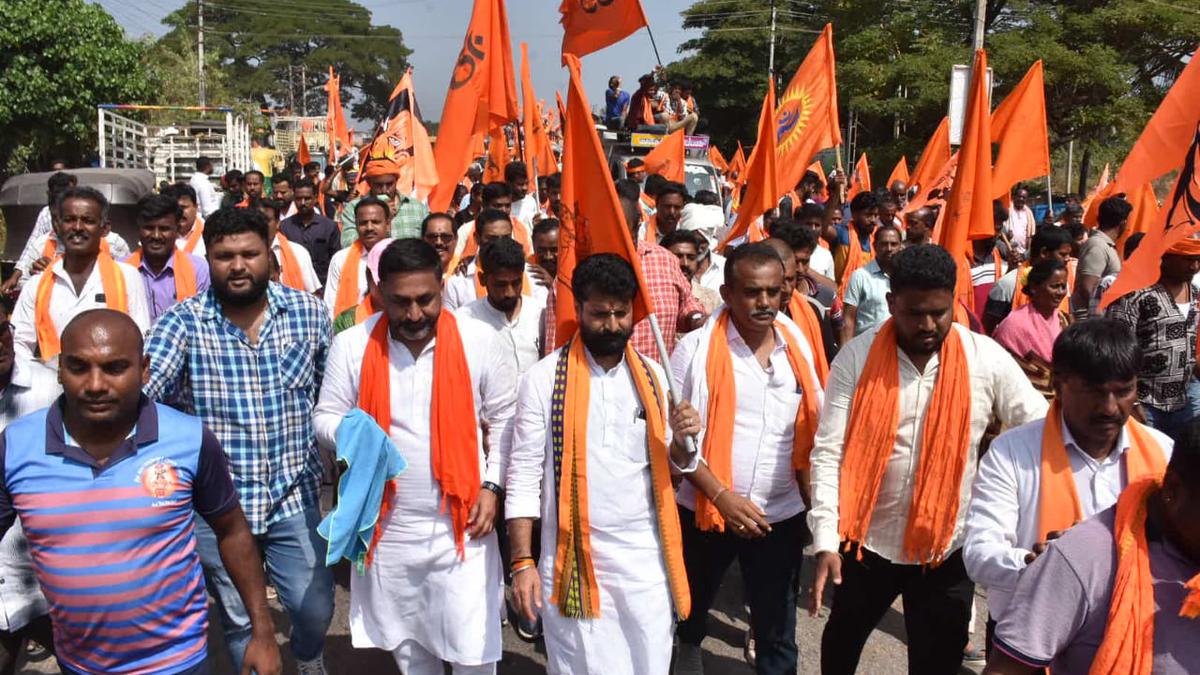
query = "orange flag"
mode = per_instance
[
  {"x": 899, "y": 172},
  {"x": 807, "y": 116},
  {"x": 497, "y": 156},
  {"x": 666, "y": 159},
  {"x": 1145, "y": 214},
  {"x": 718, "y": 160},
  {"x": 738, "y": 164},
  {"x": 302, "y": 155},
  {"x": 537, "y": 143},
  {"x": 861, "y": 180},
  {"x": 933, "y": 158},
  {"x": 816, "y": 168},
  {"x": 1019, "y": 126},
  {"x": 340, "y": 143},
  {"x": 1103, "y": 190},
  {"x": 592, "y": 220},
  {"x": 1164, "y": 142},
  {"x": 402, "y": 139},
  {"x": 969, "y": 207},
  {"x": 482, "y": 96},
  {"x": 592, "y": 25},
  {"x": 761, "y": 176}
]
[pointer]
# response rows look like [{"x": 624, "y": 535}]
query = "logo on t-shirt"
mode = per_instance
[{"x": 159, "y": 478}]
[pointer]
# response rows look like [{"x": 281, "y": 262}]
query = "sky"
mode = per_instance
[{"x": 434, "y": 30}]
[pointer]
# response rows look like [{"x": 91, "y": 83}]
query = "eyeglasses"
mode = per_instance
[{"x": 438, "y": 236}]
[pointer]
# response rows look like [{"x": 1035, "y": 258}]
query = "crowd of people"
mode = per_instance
[{"x": 822, "y": 387}]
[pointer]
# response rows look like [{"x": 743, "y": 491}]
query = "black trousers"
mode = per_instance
[
  {"x": 937, "y": 609},
  {"x": 771, "y": 575},
  {"x": 13, "y": 643}
]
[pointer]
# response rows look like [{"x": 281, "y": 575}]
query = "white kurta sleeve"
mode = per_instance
[
  {"x": 827, "y": 452},
  {"x": 990, "y": 551},
  {"x": 339, "y": 389},
  {"x": 135, "y": 297},
  {"x": 332, "y": 281},
  {"x": 1016, "y": 401},
  {"x": 527, "y": 452},
  {"x": 25, "y": 332},
  {"x": 497, "y": 407}
]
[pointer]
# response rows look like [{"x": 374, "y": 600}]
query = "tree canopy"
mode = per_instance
[
  {"x": 255, "y": 41},
  {"x": 1107, "y": 64},
  {"x": 58, "y": 59}
]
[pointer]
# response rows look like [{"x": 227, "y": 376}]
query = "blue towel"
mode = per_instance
[{"x": 371, "y": 460}]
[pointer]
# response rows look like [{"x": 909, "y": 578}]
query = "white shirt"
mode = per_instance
[
  {"x": 41, "y": 229},
  {"x": 822, "y": 262},
  {"x": 714, "y": 277},
  {"x": 334, "y": 280},
  {"x": 206, "y": 195},
  {"x": 1021, "y": 225},
  {"x": 763, "y": 423},
  {"x": 521, "y": 338},
  {"x": 460, "y": 289},
  {"x": 66, "y": 304},
  {"x": 303, "y": 260},
  {"x": 1004, "y": 519},
  {"x": 37, "y": 242},
  {"x": 525, "y": 208},
  {"x": 999, "y": 389}
]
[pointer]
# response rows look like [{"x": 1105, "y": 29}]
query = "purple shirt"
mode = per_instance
[{"x": 160, "y": 288}]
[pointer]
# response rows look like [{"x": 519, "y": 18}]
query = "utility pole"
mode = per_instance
[
  {"x": 771, "y": 57},
  {"x": 304, "y": 88},
  {"x": 291, "y": 92},
  {"x": 200, "y": 52},
  {"x": 980, "y": 21}
]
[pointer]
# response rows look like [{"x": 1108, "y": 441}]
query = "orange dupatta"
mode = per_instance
[
  {"x": 454, "y": 446},
  {"x": 855, "y": 258},
  {"x": 1128, "y": 644},
  {"x": 194, "y": 236},
  {"x": 289, "y": 268},
  {"x": 722, "y": 405},
  {"x": 348, "y": 294},
  {"x": 871, "y": 437},
  {"x": 575, "y": 590},
  {"x": 185, "y": 273},
  {"x": 804, "y": 316},
  {"x": 112, "y": 280},
  {"x": 1058, "y": 501}
]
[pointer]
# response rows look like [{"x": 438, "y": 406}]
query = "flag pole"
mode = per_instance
[
  {"x": 653, "y": 44},
  {"x": 689, "y": 441},
  {"x": 1049, "y": 197}
]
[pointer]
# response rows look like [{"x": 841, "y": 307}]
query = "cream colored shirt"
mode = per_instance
[{"x": 999, "y": 389}]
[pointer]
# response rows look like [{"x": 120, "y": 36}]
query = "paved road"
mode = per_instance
[{"x": 884, "y": 653}]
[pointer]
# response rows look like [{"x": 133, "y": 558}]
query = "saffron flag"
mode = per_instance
[
  {"x": 718, "y": 160},
  {"x": 807, "y": 115},
  {"x": 969, "y": 207},
  {"x": 402, "y": 139},
  {"x": 340, "y": 144},
  {"x": 1144, "y": 216},
  {"x": 562, "y": 111},
  {"x": 666, "y": 159},
  {"x": 482, "y": 96},
  {"x": 302, "y": 154},
  {"x": 933, "y": 158},
  {"x": 761, "y": 176},
  {"x": 860, "y": 181},
  {"x": 737, "y": 165},
  {"x": 592, "y": 25},
  {"x": 497, "y": 156},
  {"x": 899, "y": 172},
  {"x": 1164, "y": 143},
  {"x": 536, "y": 152},
  {"x": 1019, "y": 127},
  {"x": 592, "y": 219},
  {"x": 1104, "y": 189},
  {"x": 816, "y": 168}
]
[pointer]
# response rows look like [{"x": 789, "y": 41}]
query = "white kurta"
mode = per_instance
[
  {"x": 521, "y": 337},
  {"x": 417, "y": 588},
  {"x": 460, "y": 289},
  {"x": 334, "y": 281},
  {"x": 633, "y": 633}
]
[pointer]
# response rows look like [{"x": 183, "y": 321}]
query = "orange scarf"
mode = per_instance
[
  {"x": 804, "y": 316},
  {"x": 1058, "y": 501},
  {"x": 289, "y": 268},
  {"x": 454, "y": 447},
  {"x": 112, "y": 280},
  {"x": 364, "y": 310},
  {"x": 194, "y": 236},
  {"x": 1128, "y": 645},
  {"x": 871, "y": 437},
  {"x": 855, "y": 258},
  {"x": 348, "y": 294},
  {"x": 575, "y": 590},
  {"x": 722, "y": 405},
  {"x": 999, "y": 263},
  {"x": 185, "y": 273}
]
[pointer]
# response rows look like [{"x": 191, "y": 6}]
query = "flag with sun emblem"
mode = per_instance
[{"x": 807, "y": 113}]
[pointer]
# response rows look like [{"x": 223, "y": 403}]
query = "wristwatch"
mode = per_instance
[{"x": 492, "y": 487}]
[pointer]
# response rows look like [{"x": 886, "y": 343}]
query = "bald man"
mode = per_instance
[
  {"x": 919, "y": 226},
  {"x": 137, "y": 472}
]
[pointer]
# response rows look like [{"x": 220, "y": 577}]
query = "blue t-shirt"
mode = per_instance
[{"x": 616, "y": 100}]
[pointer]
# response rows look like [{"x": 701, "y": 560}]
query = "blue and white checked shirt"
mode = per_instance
[{"x": 257, "y": 399}]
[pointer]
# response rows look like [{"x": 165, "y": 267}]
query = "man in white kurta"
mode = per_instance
[
  {"x": 462, "y": 289},
  {"x": 418, "y": 598},
  {"x": 372, "y": 221},
  {"x": 514, "y": 318},
  {"x": 1095, "y": 382}
]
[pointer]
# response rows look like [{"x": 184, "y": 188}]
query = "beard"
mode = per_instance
[
  {"x": 241, "y": 298},
  {"x": 414, "y": 331},
  {"x": 506, "y": 304},
  {"x": 604, "y": 343}
]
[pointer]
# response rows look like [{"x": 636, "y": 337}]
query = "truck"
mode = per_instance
[
  {"x": 169, "y": 150},
  {"x": 699, "y": 172}
]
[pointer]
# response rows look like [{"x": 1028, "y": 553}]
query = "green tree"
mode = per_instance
[
  {"x": 256, "y": 41},
  {"x": 58, "y": 59}
]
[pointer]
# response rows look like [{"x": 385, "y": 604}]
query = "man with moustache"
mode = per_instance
[
  {"x": 438, "y": 231},
  {"x": 247, "y": 357},
  {"x": 505, "y": 311},
  {"x": 442, "y": 391},
  {"x": 169, "y": 274},
  {"x": 346, "y": 285}
]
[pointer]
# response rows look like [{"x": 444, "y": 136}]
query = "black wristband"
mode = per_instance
[{"x": 492, "y": 487}]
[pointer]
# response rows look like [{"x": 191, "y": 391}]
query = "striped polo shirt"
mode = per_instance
[{"x": 113, "y": 545}]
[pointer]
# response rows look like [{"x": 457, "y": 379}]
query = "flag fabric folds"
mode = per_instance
[
  {"x": 761, "y": 176},
  {"x": 806, "y": 118},
  {"x": 1163, "y": 144},
  {"x": 592, "y": 25},
  {"x": 402, "y": 139},
  {"x": 899, "y": 172},
  {"x": 482, "y": 96},
  {"x": 592, "y": 219},
  {"x": 666, "y": 159},
  {"x": 302, "y": 154},
  {"x": 497, "y": 156},
  {"x": 860, "y": 180},
  {"x": 1019, "y": 127},
  {"x": 718, "y": 160},
  {"x": 933, "y": 159},
  {"x": 340, "y": 144},
  {"x": 536, "y": 151}
]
